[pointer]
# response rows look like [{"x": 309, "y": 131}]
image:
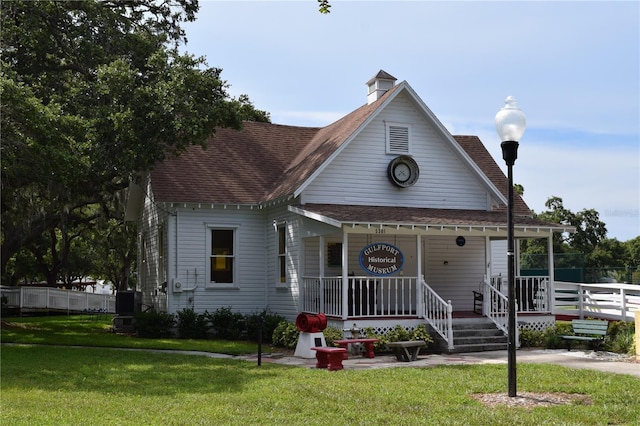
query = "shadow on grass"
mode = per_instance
[{"x": 110, "y": 371}]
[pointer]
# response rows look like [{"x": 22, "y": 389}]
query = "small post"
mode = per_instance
[{"x": 260, "y": 326}]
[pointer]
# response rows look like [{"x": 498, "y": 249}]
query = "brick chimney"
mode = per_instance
[{"x": 379, "y": 85}]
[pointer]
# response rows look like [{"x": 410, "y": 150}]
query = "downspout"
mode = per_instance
[{"x": 172, "y": 252}]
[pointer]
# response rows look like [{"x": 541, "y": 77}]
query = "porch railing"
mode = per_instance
[
  {"x": 533, "y": 293},
  {"x": 366, "y": 296},
  {"x": 438, "y": 313},
  {"x": 615, "y": 301}
]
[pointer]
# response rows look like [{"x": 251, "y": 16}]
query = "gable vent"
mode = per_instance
[{"x": 398, "y": 139}]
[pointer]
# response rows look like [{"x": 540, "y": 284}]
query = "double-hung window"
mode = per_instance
[
  {"x": 222, "y": 256},
  {"x": 282, "y": 254}
]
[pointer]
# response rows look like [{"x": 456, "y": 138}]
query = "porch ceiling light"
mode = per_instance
[{"x": 510, "y": 124}]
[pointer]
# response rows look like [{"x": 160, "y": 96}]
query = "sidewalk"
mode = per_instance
[{"x": 602, "y": 361}]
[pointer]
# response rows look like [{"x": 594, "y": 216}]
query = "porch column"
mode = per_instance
[
  {"x": 419, "y": 304},
  {"x": 321, "y": 283},
  {"x": 551, "y": 297},
  {"x": 345, "y": 274}
]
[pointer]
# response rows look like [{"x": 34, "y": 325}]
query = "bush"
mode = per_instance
[
  {"x": 331, "y": 334},
  {"x": 397, "y": 334},
  {"x": 620, "y": 337},
  {"x": 551, "y": 336},
  {"x": 531, "y": 338},
  {"x": 227, "y": 325},
  {"x": 154, "y": 324},
  {"x": 285, "y": 335},
  {"x": 192, "y": 325},
  {"x": 269, "y": 323}
]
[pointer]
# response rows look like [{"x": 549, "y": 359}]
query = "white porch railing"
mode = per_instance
[
  {"x": 495, "y": 303},
  {"x": 366, "y": 296},
  {"x": 533, "y": 293},
  {"x": 615, "y": 301},
  {"x": 57, "y": 299},
  {"x": 438, "y": 313}
]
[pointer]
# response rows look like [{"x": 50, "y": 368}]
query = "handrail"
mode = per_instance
[
  {"x": 495, "y": 305},
  {"x": 438, "y": 313}
]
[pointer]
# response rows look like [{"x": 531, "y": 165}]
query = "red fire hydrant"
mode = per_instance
[{"x": 311, "y": 323}]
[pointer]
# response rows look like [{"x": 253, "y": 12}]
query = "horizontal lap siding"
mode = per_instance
[
  {"x": 463, "y": 272},
  {"x": 283, "y": 300},
  {"x": 359, "y": 175},
  {"x": 193, "y": 258}
]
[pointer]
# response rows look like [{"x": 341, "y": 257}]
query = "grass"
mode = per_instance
[
  {"x": 85, "y": 330},
  {"x": 51, "y": 385}
]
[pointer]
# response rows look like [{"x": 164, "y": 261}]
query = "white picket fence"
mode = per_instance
[
  {"x": 614, "y": 301},
  {"x": 70, "y": 301}
]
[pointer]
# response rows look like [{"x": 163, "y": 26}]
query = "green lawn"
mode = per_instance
[
  {"x": 50, "y": 385},
  {"x": 86, "y": 330}
]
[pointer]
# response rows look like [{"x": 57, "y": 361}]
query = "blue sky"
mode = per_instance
[{"x": 574, "y": 68}]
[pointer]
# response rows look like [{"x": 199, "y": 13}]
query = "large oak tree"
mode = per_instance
[{"x": 93, "y": 92}]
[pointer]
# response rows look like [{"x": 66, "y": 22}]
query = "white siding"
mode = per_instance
[
  {"x": 248, "y": 294},
  {"x": 499, "y": 257},
  {"x": 462, "y": 273},
  {"x": 359, "y": 175}
]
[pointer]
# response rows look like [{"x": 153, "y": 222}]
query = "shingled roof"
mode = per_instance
[{"x": 264, "y": 162}]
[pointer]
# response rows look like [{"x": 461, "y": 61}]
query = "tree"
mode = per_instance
[{"x": 93, "y": 92}]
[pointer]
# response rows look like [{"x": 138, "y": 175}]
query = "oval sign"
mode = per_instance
[{"x": 381, "y": 259}]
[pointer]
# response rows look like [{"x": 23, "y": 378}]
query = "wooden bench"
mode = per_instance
[
  {"x": 407, "y": 350},
  {"x": 329, "y": 358},
  {"x": 368, "y": 346},
  {"x": 587, "y": 331}
]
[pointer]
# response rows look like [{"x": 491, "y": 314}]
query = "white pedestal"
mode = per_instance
[{"x": 306, "y": 341}]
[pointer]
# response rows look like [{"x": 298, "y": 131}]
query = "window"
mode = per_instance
[
  {"x": 222, "y": 256},
  {"x": 398, "y": 138},
  {"x": 282, "y": 253}
]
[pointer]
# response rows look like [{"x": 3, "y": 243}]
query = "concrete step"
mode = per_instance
[{"x": 476, "y": 336}]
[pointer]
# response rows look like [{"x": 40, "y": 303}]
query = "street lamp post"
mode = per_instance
[{"x": 510, "y": 124}]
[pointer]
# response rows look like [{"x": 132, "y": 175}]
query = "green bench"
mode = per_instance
[{"x": 587, "y": 331}]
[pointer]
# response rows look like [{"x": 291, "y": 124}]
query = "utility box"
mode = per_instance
[{"x": 128, "y": 303}]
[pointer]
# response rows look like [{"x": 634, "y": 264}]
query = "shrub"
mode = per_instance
[
  {"x": 154, "y": 324},
  {"x": 398, "y": 333},
  {"x": 285, "y": 335},
  {"x": 331, "y": 334},
  {"x": 269, "y": 323},
  {"x": 421, "y": 333},
  {"x": 620, "y": 337},
  {"x": 551, "y": 336},
  {"x": 192, "y": 325},
  {"x": 227, "y": 325},
  {"x": 531, "y": 338}
]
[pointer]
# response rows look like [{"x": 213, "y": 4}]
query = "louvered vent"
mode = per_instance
[{"x": 398, "y": 139}]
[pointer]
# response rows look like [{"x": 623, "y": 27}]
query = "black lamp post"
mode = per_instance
[{"x": 510, "y": 124}]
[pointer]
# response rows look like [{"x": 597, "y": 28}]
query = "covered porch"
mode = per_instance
[{"x": 451, "y": 262}]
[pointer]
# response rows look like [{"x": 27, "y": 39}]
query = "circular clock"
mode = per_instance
[{"x": 403, "y": 171}]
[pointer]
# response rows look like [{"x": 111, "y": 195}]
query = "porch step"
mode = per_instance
[{"x": 474, "y": 336}]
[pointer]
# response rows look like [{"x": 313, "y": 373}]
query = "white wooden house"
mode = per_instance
[{"x": 380, "y": 218}]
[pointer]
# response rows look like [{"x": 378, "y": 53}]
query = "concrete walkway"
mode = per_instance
[{"x": 602, "y": 361}]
